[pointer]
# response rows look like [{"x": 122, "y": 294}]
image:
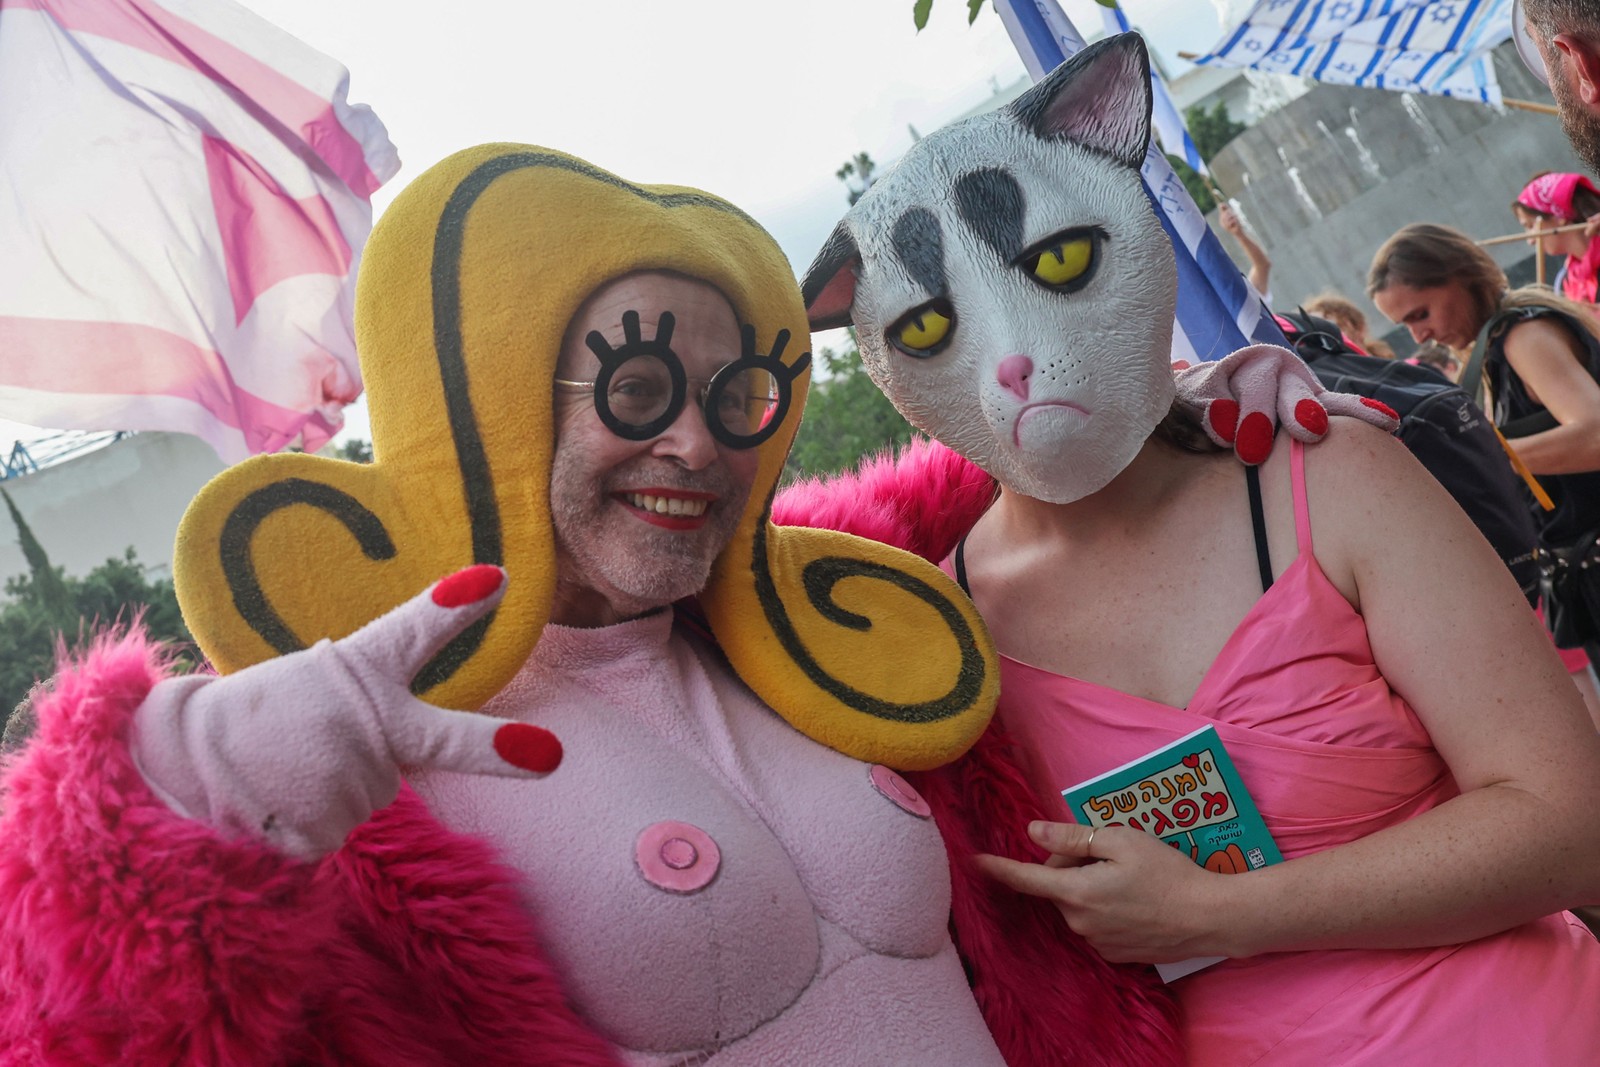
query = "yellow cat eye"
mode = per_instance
[
  {"x": 1063, "y": 262},
  {"x": 923, "y": 331}
]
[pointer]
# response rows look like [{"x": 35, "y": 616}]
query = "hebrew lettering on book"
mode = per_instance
[{"x": 1185, "y": 796}]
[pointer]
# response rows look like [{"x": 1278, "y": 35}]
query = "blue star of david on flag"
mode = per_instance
[{"x": 1438, "y": 47}]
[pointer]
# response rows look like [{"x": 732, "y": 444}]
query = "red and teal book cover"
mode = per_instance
[{"x": 1188, "y": 794}]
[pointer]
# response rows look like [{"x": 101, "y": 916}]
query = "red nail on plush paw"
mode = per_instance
[
  {"x": 468, "y": 586},
  {"x": 529, "y": 747},
  {"x": 1255, "y": 438},
  {"x": 1224, "y": 416},
  {"x": 1311, "y": 416},
  {"x": 1380, "y": 407}
]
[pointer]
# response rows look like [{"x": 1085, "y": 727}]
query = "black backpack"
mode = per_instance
[{"x": 1442, "y": 426}]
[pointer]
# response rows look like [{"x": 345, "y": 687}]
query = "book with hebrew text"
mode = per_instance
[{"x": 1189, "y": 794}]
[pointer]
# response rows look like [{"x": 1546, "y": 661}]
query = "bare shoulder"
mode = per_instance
[
  {"x": 1357, "y": 461},
  {"x": 1532, "y": 339},
  {"x": 1370, "y": 500}
]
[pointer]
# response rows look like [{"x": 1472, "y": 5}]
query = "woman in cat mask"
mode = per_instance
[{"x": 1012, "y": 293}]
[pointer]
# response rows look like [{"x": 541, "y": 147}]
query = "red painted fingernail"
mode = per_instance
[
  {"x": 1224, "y": 416},
  {"x": 529, "y": 747},
  {"x": 1380, "y": 407},
  {"x": 1180, "y": 364},
  {"x": 1312, "y": 416},
  {"x": 1255, "y": 439},
  {"x": 468, "y": 586}
]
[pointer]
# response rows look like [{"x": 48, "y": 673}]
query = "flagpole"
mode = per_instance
[
  {"x": 1531, "y": 105},
  {"x": 1523, "y": 235}
]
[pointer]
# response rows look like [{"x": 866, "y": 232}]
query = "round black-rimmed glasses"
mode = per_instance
[{"x": 641, "y": 388}]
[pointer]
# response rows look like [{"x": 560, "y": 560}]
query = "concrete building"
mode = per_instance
[
  {"x": 1324, "y": 180},
  {"x": 92, "y": 507},
  {"x": 1249, "y": 95}
]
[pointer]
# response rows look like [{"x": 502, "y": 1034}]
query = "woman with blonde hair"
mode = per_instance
[{"x": 1541, "y": 362}]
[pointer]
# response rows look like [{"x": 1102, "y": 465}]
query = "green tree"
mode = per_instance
[
  {"x": 1199, "y": 191},
  {"x": 45, "y": 607},
  {"x": 355, "y": 450},
  {"x": 921, "y": 8},
  {"x": 858, "y": 169},
  {"x": 1211, "y": 130},
  {"x": 846, "y": 418}
]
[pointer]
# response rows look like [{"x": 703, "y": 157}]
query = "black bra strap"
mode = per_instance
[
  {"x": 960, "y": 560},
  {"x": 1258, "y": 522}
]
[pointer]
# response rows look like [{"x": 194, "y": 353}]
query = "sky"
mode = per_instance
[{"x": 757, "y": 101}]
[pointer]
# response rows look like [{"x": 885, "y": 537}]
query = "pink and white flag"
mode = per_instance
[{"x": 184, "y": 194}]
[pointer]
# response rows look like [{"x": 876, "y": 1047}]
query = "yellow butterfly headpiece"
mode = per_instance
[{"x": 465, "y": 292}]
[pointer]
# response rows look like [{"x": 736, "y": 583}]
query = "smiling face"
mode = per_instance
[
  {"x": 1445, "y": 313},
  {"x": 638, "y": 524}
]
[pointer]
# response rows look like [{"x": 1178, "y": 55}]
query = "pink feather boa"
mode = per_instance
[
  {"x": 1047, "y": 996},
  {"x": 129, "y": 935}
]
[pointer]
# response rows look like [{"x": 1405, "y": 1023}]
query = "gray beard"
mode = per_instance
[
  {"x": 1582, "y": 128},
  {"x": 676, "y": 568}
]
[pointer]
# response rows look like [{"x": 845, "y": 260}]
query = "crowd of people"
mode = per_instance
[
  {"x": 742, "y": 792},
  {"x": 1539, "y": 360}
]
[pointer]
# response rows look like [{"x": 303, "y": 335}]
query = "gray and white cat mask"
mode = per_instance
[{"x": 1010, "y": 284}]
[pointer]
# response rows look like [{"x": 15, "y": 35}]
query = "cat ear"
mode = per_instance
[
  {"x": 829, "y": 287},
  {"x": 1100, "y": 98}
]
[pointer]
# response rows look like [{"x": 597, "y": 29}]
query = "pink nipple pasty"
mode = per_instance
[
  {"x": 897, "y": 789},
  {"x": 677, "y": 856}
]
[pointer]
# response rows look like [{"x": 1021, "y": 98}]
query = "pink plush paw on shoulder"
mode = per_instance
[
  {"x": 1224, "y": 418},
  {"x": 1380, "y": 407},
  {"x": 1254, "y": 442},
  {"x": 1312, "y": 417}
]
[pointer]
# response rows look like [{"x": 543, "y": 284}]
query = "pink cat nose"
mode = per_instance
[{"x": 1013, "y": 374}]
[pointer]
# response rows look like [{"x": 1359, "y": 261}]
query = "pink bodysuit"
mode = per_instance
[
  {"x": 1330, "y": 753},
  {"x": 711, "y": 881}
]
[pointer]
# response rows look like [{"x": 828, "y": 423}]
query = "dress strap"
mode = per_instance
[
  {"x": 1258, "y": 526},
  {"x": 1302, "y": 510},
  {"x": 960, "y": 561}
]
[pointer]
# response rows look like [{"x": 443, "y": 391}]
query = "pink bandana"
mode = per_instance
[{"x": 1551, "y": 194}]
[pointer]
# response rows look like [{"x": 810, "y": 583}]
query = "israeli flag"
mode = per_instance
[
  {"x": 1437, "y": 47},
  {"x": 1218, "y": 312}
]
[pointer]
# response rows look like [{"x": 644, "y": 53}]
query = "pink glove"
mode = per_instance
[
  {"x": 1241, "y": 399},
  {"x": 302, "y": 749}
]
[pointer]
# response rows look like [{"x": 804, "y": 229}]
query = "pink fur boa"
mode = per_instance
[
  {"x": 129, "y": 935},
  {"x": 1048, "y": 997}
]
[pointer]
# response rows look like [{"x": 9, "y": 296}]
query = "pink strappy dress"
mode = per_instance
[{"x": 1330, "y": 754}]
